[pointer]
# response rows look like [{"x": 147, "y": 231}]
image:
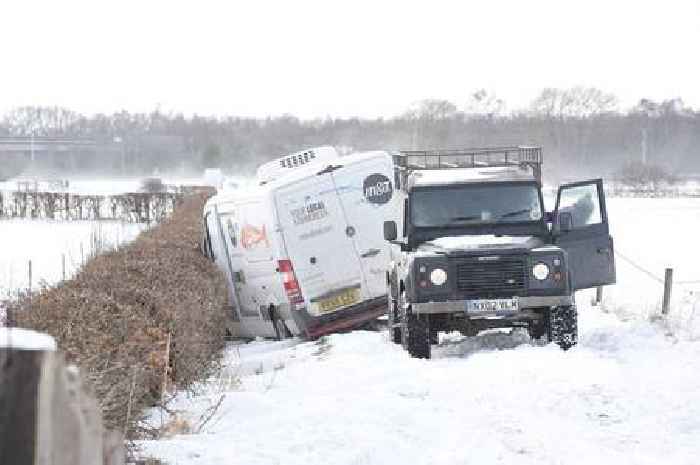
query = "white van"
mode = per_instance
[{"x": 303, "y": 250}]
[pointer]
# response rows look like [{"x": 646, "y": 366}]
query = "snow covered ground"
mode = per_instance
[
  {"x": 626, "y": 394},
  {"x": 629, "y": 393}
]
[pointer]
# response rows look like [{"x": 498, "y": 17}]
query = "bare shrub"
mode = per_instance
[
  {"x": 643, "y": 176},
  {"x": 152, "y": 185},
  {"x": 115, "y": 317}
]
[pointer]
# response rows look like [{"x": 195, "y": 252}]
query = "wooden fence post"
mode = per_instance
[{"x": 668, "y": 285}]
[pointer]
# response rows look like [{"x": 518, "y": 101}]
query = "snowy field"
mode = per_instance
[
  {"x": 55, "y": 246},
  {"x": 51, "y": 245},
  {"x": 629, "y": 393}
]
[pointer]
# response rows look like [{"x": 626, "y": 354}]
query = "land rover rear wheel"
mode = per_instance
[{"x": 563, "y": 326}]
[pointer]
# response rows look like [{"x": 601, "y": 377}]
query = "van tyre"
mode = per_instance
[
  {"x": 563, "y": 326},
  {"x": 415, "y": 334},
  {"x": 281, "y": 330},
  {"x": 434, "y": 337}
]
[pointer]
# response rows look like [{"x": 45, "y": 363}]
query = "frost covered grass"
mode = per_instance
[{"x": 628, "y": 393}]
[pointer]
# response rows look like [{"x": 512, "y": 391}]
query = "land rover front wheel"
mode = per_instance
[
  {"x": 563, "y": 326},
  {"x": 415, "y": 333},
  {"x": 393, "y": 316}
]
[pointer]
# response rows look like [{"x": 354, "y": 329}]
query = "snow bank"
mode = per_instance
[{"x": 24, "y": 339}]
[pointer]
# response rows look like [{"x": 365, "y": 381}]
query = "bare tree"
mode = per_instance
[
  {"x": 576, "y": 102},
  {"x": 41, "y": 121},
  {"x": 482, "y": 103}
]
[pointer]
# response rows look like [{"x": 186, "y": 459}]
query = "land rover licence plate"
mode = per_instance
[{"x": 492, "y": 305}]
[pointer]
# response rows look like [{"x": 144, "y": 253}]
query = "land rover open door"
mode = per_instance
[{"x": 581, "y": 228}]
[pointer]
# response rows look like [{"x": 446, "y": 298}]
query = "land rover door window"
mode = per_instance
[
  {"x": 581, "y": 228},
  {"x": 475, "y": 204},
  {"x": 583, "y": 203}
]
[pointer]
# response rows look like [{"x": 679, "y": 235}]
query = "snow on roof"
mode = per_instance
[
  {"x": 468, "y": 175},
  {"x": 25, "y": 339}
]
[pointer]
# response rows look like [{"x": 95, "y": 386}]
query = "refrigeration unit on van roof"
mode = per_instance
[{"x": 279, "y": 167}]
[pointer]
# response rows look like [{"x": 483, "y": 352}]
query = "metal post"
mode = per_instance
[
  {"x": 63, "y": 267},
  {"x": 598, "y": 295},
  {"x": 30, "y": 277},
  {"x": 668, "y": 284}
]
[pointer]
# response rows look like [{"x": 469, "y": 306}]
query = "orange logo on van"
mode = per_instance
[{"x": 252, "y": 236}]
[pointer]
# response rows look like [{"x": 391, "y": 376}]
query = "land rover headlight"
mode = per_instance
[
  {"x": 438, "y": 276},
  {"x": 540, "y": 271}
]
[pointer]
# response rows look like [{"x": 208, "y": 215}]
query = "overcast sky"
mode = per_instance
[{"x": 314, "y": 59}]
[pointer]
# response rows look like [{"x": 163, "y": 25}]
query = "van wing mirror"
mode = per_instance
[{"x": 390, "y": 231}]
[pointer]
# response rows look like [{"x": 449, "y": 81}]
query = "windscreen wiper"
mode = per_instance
[
  {"x": 464, "y": 218},
  {"x": 514, "y": 213}
]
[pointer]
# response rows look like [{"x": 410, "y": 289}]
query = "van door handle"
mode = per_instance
[
  {"x": 605, "y": 250},
  {"x": 328, "y": 169},
  {"x": 371, "y": 253}
]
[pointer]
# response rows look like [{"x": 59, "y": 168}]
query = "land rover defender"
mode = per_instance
[{"x": 477, "y": 250}]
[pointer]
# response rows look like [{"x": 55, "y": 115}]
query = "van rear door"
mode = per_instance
[
  {"x": 319, "y": 244},
  {"x": 366, "y": 192}
]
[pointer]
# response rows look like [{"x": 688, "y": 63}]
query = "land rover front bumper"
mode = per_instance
[{"x": 461, "y": 306}]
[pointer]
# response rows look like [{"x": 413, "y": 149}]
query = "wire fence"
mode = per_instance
[
  {"x": 680, "y": 302},
  {"x": 651, "y": 274}
]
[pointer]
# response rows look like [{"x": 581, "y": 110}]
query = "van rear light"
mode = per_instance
[{"x": 291, "y": 284}]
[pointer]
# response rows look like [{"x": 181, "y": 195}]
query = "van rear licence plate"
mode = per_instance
[
  {"x": 492, "y": 305},
  {"x": 343, "y": 299}
]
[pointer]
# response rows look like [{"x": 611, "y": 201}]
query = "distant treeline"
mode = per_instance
[{"x": 583, "y": 132}]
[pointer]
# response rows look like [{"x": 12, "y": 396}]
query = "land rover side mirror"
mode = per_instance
[
  {"x": 390, "y": 231},
  {"x": 566, "y": 222}
]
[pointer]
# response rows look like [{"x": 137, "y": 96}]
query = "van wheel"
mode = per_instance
[
  {"x": 563, "y": 326},
  {"x": 434, "y": 337},
  {"x": 415, "y": 333},
  {"x": 394, "y": 326},
  {"x": 281, "y": 329}
]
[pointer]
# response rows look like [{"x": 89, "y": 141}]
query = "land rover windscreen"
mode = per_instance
[{"x": 512, "y": 208}]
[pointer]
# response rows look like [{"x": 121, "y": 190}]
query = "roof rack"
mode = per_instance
[{"x": 521, "y": 156}]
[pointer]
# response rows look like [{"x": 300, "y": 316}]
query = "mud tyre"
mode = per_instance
[
  {"x": 415, "y": 333},
  {"x": 563, "y": 326},
  {"x": 393, "y": 318}
]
